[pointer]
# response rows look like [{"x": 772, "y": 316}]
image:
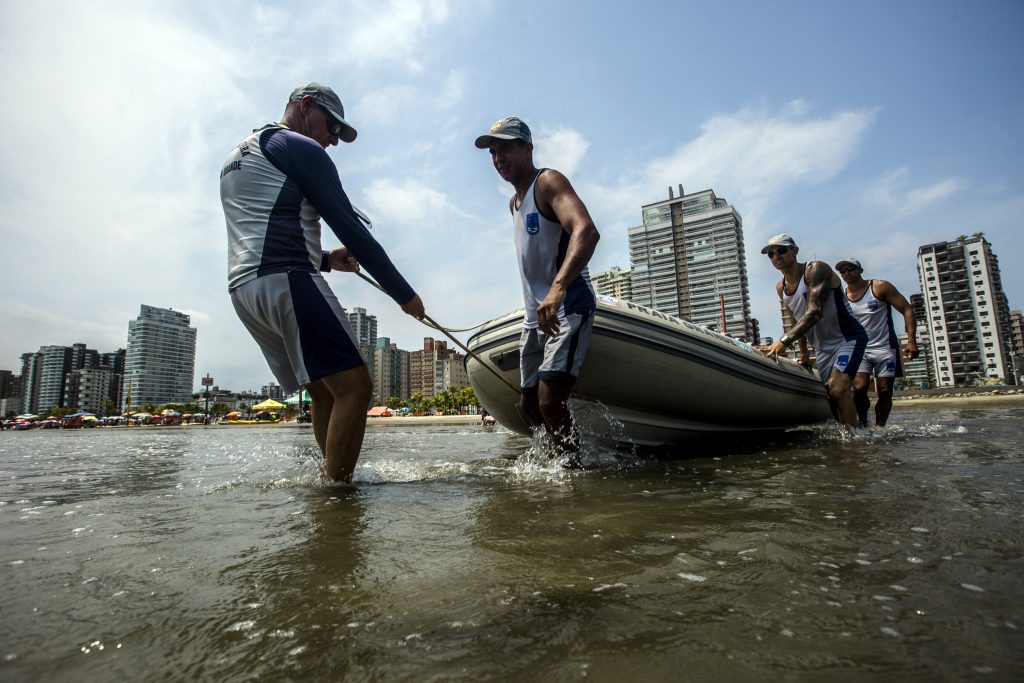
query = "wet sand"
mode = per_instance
[{"x": 970, "y": 400}]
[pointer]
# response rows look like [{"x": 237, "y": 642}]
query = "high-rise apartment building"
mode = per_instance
[
  {"x": 390, "y": 371},
  {"x": 688, "y": 260},
  {"x": 10, "y": 394},
  {"x": 434, "y": 368},
  {"x": 1017, "y": 332},
  {"x": 918, "y": 373},
  {"x": 615, "y": 282},
  {"x": 967, "y": 313},
  {"x": 364, "y": 326},
  {"x": 272, "y": 390},
  {"x": 161, "y": 358},
  {"x": 95, "y": 390},
  {"x": 45, "y": 373},
  {"x": 10, "y": 384}
]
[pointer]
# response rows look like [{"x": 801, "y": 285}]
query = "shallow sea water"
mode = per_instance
[{"x": 462, "y": 554}]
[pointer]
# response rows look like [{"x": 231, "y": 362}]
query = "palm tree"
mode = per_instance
[{"x": 469, "y": 399}]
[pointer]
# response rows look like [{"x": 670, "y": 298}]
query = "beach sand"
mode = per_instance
[{"x": 965, "y": 399}]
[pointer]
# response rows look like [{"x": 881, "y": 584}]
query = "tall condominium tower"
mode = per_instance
[
  {"x": 435, "y": 367},
  {"x": 615, "y": 282},
  {"x": 688, "y": 260},
  {"x": 968, "y": 316},
  {"x": 161, "y": 358},
  {"x": 1017, "y": 332},
  {"x": 44, "y": 375},
  {"x": 918, "y": 373},
  {"x": 10, "y": 384},
  {"x": 390, "y": 371},
  {"x": 364, "y": 326}
]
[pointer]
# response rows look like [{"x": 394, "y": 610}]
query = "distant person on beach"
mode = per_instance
[
  {"x": 814, "y": 294},
  {"x": 872, "y": 302},
  {"x": 275, "y": 185},
  {"x": 555, "y": 239}
]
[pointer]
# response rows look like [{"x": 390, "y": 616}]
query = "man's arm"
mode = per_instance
[
  {"x": 554, "y": 192},
  {"x": 820, "y": 283},
  {"x": 308, "y": 164},
  {"x": 886, "y": 292}
]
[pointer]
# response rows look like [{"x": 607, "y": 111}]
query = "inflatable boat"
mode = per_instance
[{"x": 651, "y": 379}]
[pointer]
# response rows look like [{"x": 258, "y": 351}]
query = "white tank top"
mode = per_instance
[
  {"x": 875, "y": 316},
  {"x": 837, "y": 324},
  {"x": 541, "y": 245}
]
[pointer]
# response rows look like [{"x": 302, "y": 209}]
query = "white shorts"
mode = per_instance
[
  {"x": 881, "y": 363},
  {"x": 845, "y": 358},
  {"x": 557, "y": 357},
  {"x": 299, "y": 325}
]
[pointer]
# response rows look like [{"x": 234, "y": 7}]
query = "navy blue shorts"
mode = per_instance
[{"x": 299, "y": 325}]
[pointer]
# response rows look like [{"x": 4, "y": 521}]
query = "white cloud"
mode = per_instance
[
  {"x": 407, "y": 203},
  {"x": 753, "y": 158},
  {"x": 391, "y": 31},
  {"x": 893, "y": 193},
  {"x": 385, "y": 104},
  {"x": 561, "y": 148}
]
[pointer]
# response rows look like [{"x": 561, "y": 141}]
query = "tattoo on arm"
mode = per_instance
[{"x": 819, "y": 289}]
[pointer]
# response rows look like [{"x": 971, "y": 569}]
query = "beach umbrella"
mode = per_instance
[
  {"x": 293, "y": 400},
  {"x": 269, "y": 404},
  {"x": 27, "y": 416},
  {"x": 233, "y": 414}
]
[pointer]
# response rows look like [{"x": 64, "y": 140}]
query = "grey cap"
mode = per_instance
[
  {"x": 510, "y": 128},
  {"x": 330, "y": 101},
  {"x": 782, "y": 240},
  {"x": 850, "y": 262}
]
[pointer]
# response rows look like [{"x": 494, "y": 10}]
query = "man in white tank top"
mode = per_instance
[
  {"x": 555, "y": 239},
  {"x": 872, "y": 302},
  {"x": 814, "y": 293}
]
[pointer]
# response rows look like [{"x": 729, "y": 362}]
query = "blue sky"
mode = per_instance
[{"x": 862, "y": 129}]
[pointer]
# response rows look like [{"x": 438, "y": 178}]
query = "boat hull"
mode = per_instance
[{"x": 652, "y": 379}]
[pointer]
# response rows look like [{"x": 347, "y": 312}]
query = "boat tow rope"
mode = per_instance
[{"x": 430, "y": 322}]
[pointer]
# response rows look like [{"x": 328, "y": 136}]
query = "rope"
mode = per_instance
[{"x": 430, "y": 322}]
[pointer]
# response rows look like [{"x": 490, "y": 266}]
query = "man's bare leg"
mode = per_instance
[
  {"x": 861, "y": 384},
  {"x": 530, "y": 406},
  {"x": 839, "y": 392},
  {"x": 349, "y": 392},
  {"x": 883, "y": 406},
  {"x": 553, "y": 397},
  {"x": 321, "y": 405}
]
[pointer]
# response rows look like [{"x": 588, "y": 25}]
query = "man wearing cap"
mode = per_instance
[
  {"x": 872, "y": 302},
  {"x": 555, "y": 239},
  {"x": 814, "y": 294},
  {"x": 275, "y": 186}
]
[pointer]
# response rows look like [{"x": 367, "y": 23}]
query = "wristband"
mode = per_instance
[{"x": 786, "y": 341}]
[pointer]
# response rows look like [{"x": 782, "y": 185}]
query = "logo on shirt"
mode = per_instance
[
  {"x": 872, "y": 305},
  {"x": 532, "y": 223}
]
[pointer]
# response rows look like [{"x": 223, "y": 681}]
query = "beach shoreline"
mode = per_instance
[{"x": 964, "y": 398}]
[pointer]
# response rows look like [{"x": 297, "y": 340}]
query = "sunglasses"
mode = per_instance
[
  {"x": 847, "y": 269},
  {"x": 777, "y": 251},
  {"x": 332, "y": 123}
]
